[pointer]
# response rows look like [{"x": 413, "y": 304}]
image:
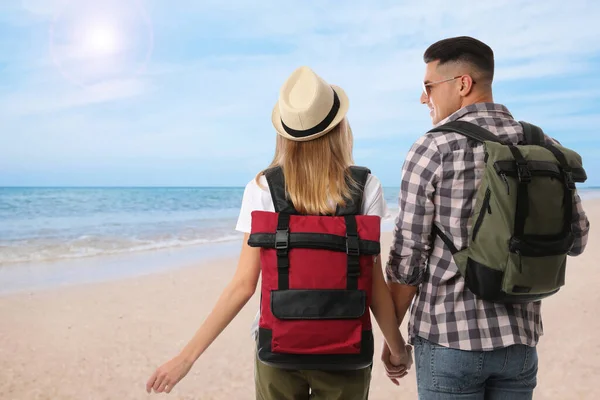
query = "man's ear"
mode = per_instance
[{"x": 466, "y": 85}]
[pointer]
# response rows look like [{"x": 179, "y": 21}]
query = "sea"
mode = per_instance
[{"x": 50, "y": 224}]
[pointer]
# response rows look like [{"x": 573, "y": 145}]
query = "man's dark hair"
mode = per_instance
[{"x": 463, "y": 49}]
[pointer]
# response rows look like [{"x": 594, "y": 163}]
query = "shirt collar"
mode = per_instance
[{"x": 481, "y": 109}]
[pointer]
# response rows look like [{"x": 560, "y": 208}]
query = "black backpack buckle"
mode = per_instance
[
  {"x": 569, "y": 181},
  {"x": 523, "y": 172},
  {"x": 352, "y": 247},
  {"x": 282, "y": 239}
]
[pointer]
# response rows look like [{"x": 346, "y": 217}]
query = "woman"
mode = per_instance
[{"x": 314, "y": 151}]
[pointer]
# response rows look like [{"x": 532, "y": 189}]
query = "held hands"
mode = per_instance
[
  {"x": 168, "y": 375},
  {"x": 397, "y": 365}
]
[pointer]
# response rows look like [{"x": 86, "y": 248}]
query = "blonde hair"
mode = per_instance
[{"x": 317, "y": 177}]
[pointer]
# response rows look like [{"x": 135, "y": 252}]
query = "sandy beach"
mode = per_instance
[{"x": 103, "y": 340}]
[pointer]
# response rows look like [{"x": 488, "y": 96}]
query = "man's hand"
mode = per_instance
[
  {"x": 396, "y": 366},
  {"x": 405, "y": 359}
]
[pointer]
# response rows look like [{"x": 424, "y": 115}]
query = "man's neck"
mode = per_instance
[{"x": 478, "y": 98}]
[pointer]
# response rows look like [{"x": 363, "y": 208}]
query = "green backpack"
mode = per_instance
[{"x": 520, "y": 231}]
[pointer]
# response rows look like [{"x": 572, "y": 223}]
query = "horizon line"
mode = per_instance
[{"x": 173, "y": 187}]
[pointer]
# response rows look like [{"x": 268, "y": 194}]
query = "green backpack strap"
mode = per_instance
[
  {"x": 469, "y": 130},
  {"x": 472, "y": 131},
  {"x": 533, "y": 134},
  {"x": 436, "y": 230}
]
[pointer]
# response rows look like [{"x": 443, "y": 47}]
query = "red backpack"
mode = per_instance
[{"x": 316, "y": 282}]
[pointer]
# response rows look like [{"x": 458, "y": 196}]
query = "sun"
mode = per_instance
[
  {"x": 100, "y": 40},
  {"x": 95, "y": 41}
]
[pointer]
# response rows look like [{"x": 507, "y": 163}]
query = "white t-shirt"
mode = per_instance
[{"x": 259, "y": 198}]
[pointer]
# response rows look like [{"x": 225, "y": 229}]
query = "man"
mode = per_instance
[{"x": 464, "y": 347}]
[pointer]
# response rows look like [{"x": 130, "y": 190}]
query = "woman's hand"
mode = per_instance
[
  {"x": 232, "y": 300},
  {"x": 396, "y": 365},
  {"x": 403, "y": 359},
  {"x": 169, "y": 374}
]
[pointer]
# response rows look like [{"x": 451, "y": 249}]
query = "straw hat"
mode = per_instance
[{"x": 308, "y": 107}]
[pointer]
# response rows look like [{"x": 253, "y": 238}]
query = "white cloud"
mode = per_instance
[
  {"x": 45, "y": 8},
  {"x": 515, "y": 28},
  {"x": 374, "y": 50},
  {"x": 554, "y": 96},
  {"x": 31, "y": 101}
]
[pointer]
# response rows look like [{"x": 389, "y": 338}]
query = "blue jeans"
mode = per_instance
[{"x": 444, "y": 373}]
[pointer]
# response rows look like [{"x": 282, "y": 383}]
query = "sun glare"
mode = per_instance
[
  {"x": 96, "y": 41},
  {"x": 101, "y": 40}
]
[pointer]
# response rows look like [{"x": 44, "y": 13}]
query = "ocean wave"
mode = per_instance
[{"x": 53, "y": 249}]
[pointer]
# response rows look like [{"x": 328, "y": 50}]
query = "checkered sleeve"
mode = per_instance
[
  {"x": 581, "y": 227},
  {"x": 411, "y": 236}
]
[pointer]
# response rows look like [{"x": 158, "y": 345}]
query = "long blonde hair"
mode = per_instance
[{"x": 317, "y": 177}]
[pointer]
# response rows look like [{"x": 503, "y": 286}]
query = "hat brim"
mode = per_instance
[{"x": 343, "y": 110}]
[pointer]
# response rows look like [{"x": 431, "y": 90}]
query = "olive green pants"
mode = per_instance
[{"x": 283, "y": 384}]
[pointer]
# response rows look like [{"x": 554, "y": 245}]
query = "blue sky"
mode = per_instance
[{"x": 180, "y": 93}]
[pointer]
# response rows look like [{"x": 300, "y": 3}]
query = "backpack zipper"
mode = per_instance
[
  {"x": 503, "y": 176},
  {"x": 485, "y": 206}
]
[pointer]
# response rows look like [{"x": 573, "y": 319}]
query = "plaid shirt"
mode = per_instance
[{"x": 439, "y": 181}]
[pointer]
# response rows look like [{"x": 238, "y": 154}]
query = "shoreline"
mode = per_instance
[{"x": 34, "y": 276}]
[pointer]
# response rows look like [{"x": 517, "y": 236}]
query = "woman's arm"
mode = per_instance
[
  {"x": 384, "y": 312},
  {"x": 233, "y": 298}
]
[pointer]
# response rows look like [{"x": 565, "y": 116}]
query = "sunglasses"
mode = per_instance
[{"x": 427, "y": 86}]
